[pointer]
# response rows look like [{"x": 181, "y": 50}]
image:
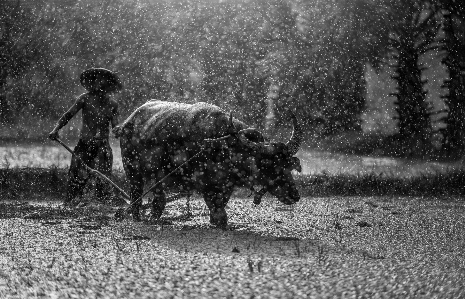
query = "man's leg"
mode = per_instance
[
  {"x": 104, "y": 191},
  {"x": 78, "y": 174}
]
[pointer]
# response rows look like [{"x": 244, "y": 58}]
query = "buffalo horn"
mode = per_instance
[
  {"x": 231, "y": 128},
  {"x": 253, "y": 146},
  {"x": 257, "y": 147},
  {"x": 293, "y": 144}
]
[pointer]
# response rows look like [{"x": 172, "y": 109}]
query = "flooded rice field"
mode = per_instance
[
  {"x": 50, "y": 154},
  {"x": 318, "y": 162}
]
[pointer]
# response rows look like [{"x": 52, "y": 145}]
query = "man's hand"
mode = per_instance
[
  {"x": 53, "y": 135},
  {"x": 118, "y": 131}
]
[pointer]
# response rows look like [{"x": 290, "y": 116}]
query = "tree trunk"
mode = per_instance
[
  {"x": 454, "y": 133},
  {"x": 413, "y": 111}
]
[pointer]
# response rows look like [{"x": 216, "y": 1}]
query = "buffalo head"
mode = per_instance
[{"x": 274, "y": 163}]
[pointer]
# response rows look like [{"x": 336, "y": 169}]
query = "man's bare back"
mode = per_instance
[{"x": 98, "y": 111}]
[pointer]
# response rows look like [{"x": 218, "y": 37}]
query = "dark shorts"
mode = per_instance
[{"x": 96, "y": 154}]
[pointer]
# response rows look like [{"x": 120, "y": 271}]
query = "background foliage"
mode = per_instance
[{"x": 260, "y": 59}]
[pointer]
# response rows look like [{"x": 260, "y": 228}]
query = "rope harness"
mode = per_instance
[
  {"x": 120, "y": 214},
  {"x": 161, "y": 181}
]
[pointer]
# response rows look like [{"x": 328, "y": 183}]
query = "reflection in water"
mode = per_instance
[
  {"x": 316, "y": 162},
  {"x": 49, "y": 155},
  {"x": 313, "y": 162}
]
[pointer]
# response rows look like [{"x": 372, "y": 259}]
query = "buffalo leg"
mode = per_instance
[
  {"x": 131, "y": 163},
  {"x": 216, "y": 204},
  {"x": 137, "y": 187},
  {"x": 158, "y": 204}
]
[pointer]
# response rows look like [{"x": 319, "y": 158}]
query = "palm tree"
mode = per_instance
[
  {"x": 414, "y": 29},
  {"x": 453, "y": 44}
]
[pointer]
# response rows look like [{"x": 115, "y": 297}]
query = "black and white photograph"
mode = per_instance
[{"x": 232, "y": 149}]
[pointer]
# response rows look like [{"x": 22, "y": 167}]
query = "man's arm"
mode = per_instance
[{"x": 66, "y": 117}]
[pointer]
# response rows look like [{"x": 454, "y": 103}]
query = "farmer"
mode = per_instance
[{"x": 98, "y": 111}]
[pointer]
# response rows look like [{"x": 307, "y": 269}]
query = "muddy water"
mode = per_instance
[{"x": 313, "y": 162}]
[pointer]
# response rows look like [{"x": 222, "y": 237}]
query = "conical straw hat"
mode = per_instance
[{"x": 92, "y": 80}]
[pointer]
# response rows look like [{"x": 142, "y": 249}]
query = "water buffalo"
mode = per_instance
[{"x": 159, "y": 136}]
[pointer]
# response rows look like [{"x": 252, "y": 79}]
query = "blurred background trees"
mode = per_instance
[
  {"x": 262, "y": 59},
  {"x": 453, "y": 46},
  {"x": 413, "y": 27}
]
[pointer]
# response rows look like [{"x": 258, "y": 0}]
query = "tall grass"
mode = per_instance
[
  {"x": 433, "y": 184},
  {"x": 48, "y": 182},
  {"x": 52, "y": 182},
  {"x": 41, "y": 168}
]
